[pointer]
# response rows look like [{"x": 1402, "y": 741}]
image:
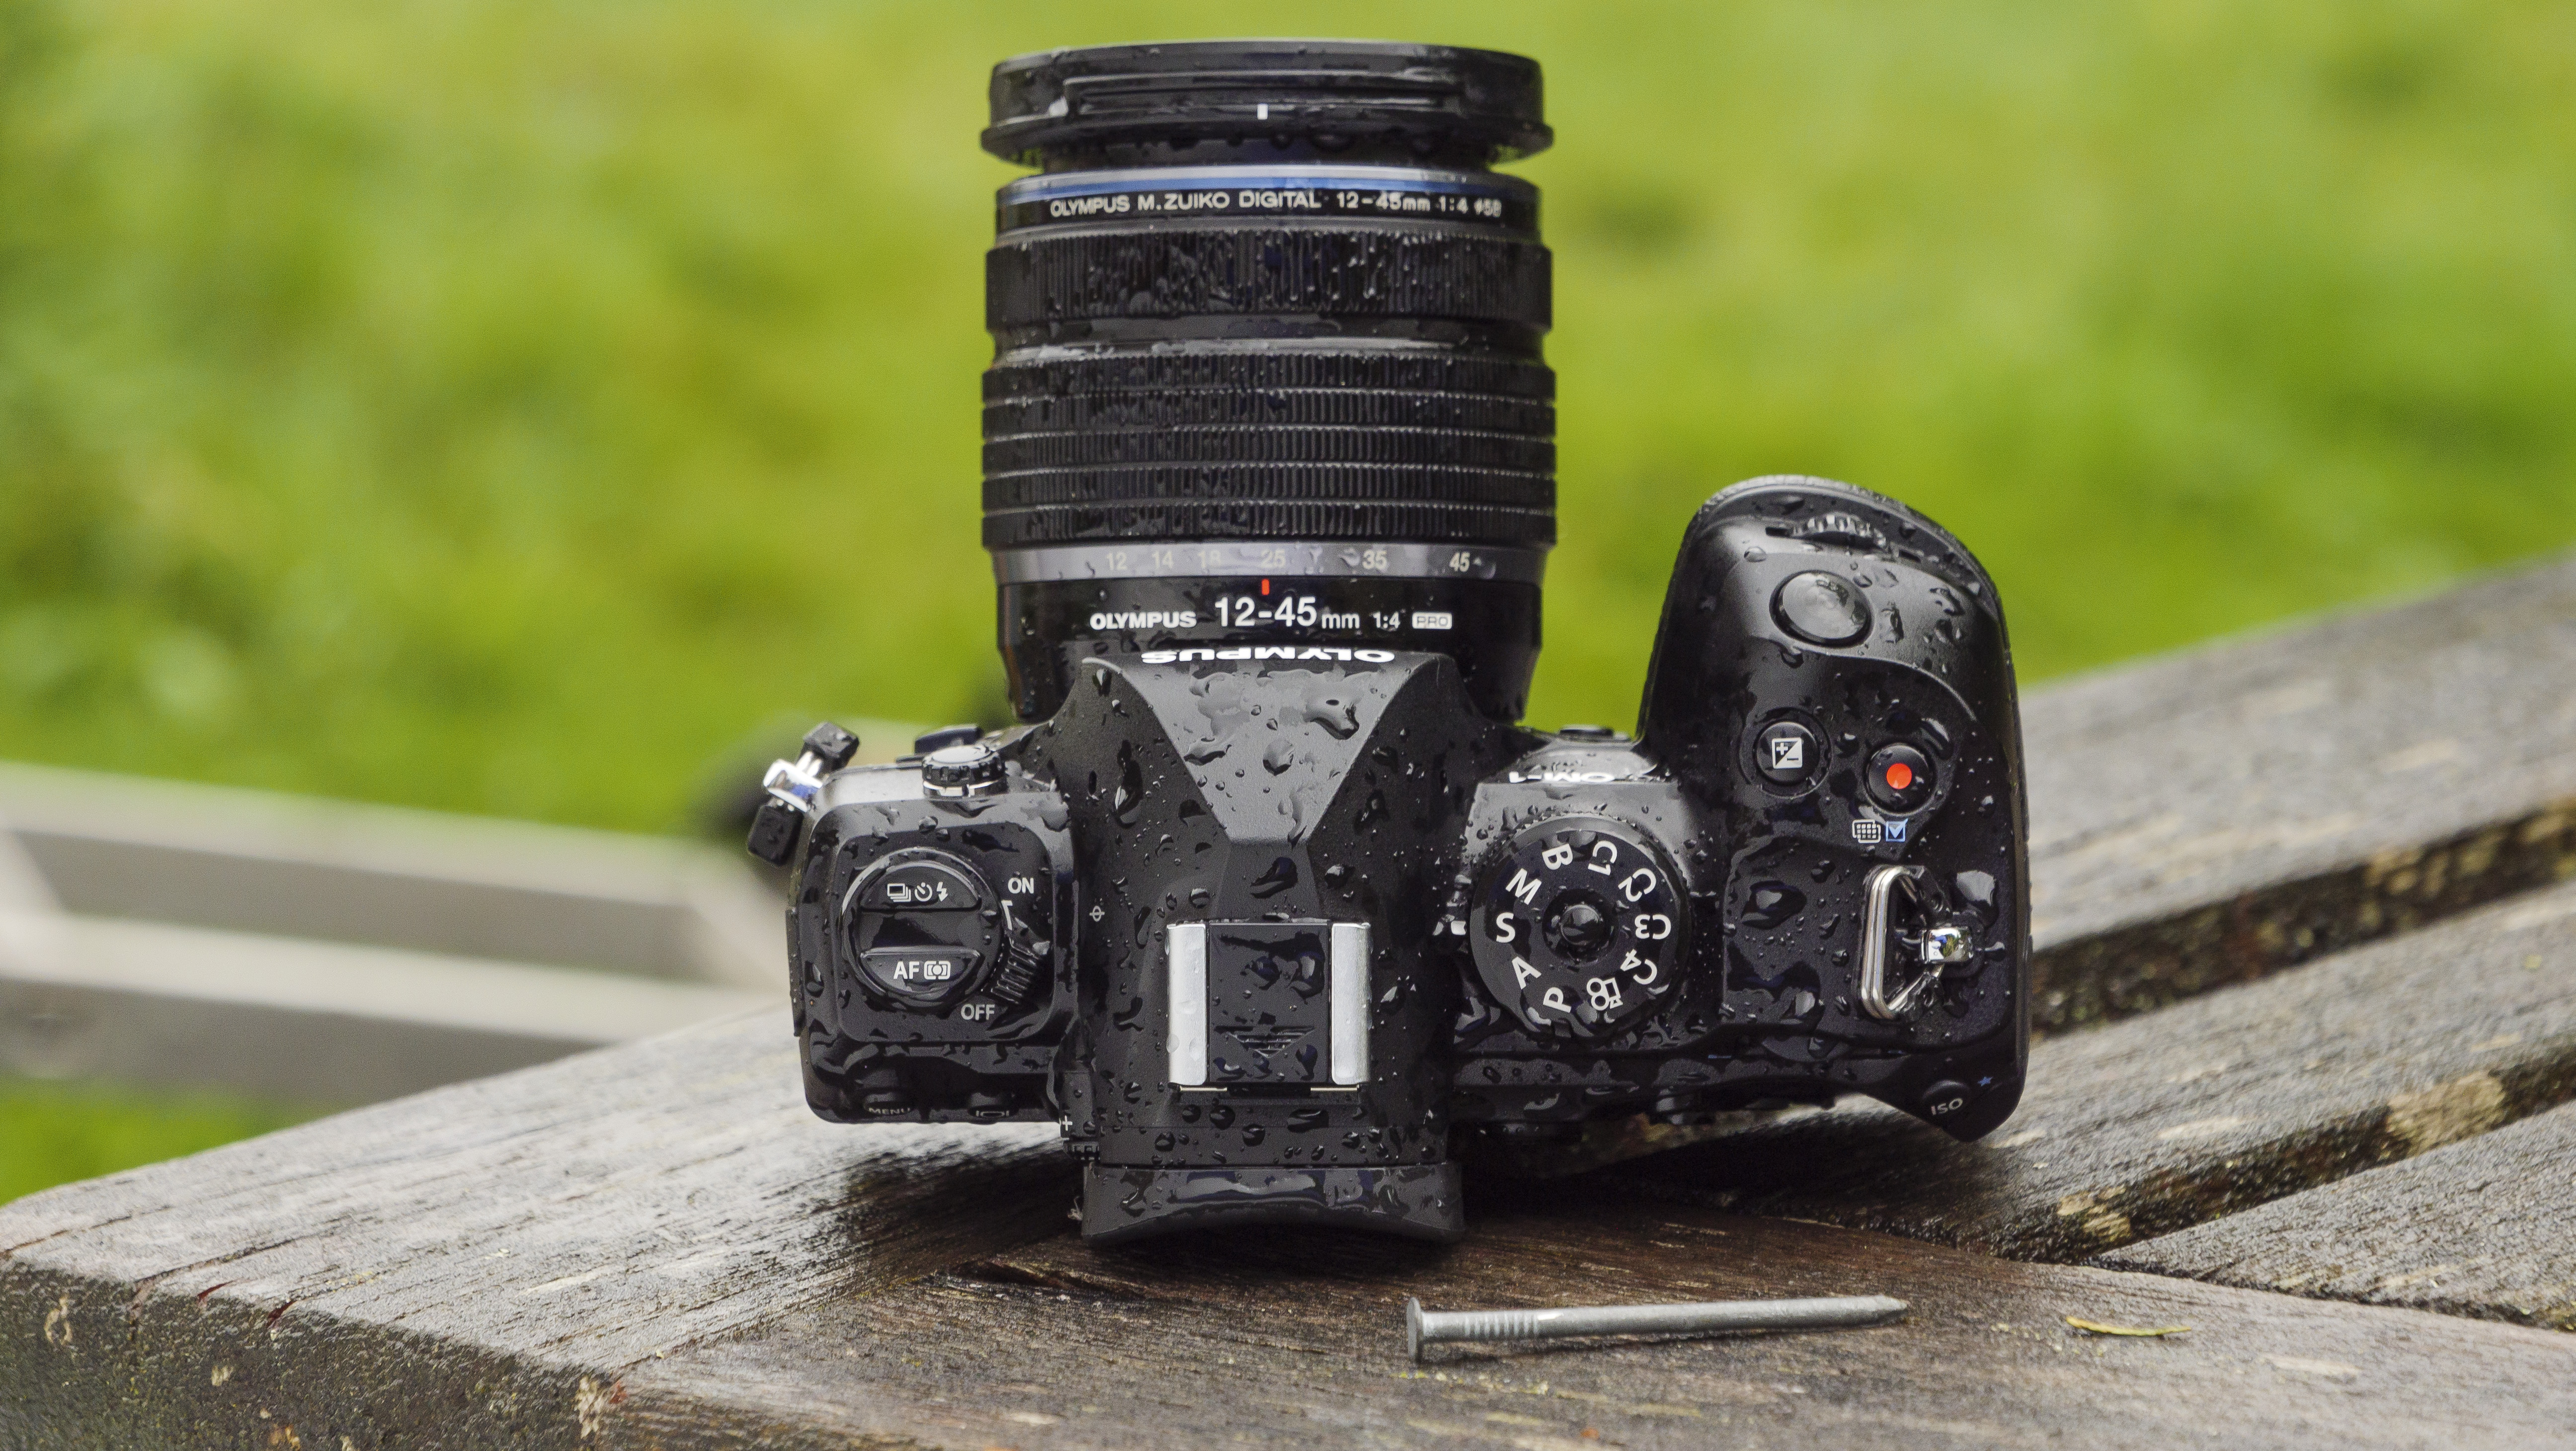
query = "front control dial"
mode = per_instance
[
  {"x": 1577, "y": 930},
  {"x": 921, "y": 933}
]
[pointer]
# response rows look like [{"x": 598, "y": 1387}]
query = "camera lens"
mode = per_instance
[{"x": 1267, "y": 332}]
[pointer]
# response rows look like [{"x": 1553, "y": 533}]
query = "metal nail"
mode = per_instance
[{"x": 1427, "y": 1327}]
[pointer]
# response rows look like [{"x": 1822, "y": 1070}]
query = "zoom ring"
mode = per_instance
[
  {"x": 1267, "y": 444},
  {"x": 1230, "y": 442},
  {"x": 1235, "y": 369},
  {"x": 1277, "y": 483},
  {"x": 1198, "y": 408},
  {"x": 1300, "y": 271}
]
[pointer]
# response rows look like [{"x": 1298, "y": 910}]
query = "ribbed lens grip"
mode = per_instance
[
  {"x": 1235, "y": 443},
  {"x": 1198, "y": 271},
  {"x": 1266, "y": 443}
]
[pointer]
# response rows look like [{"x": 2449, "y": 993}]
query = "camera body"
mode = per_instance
[{"x": 1267, "y": 897}]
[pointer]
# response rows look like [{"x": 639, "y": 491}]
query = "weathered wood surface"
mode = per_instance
[
  {"x": 1294, "y": 1339},
  {"x": 2206, "y": 1108},
  {"x": 459, "y": 1246},
  {"x": 2486, "y": 1227},
  {"x": 2226, "y": 811}
]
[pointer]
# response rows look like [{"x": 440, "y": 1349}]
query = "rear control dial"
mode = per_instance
[{"x": 1577, "y": 929}]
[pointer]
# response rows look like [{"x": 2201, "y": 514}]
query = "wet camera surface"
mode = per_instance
[{"x": 1267, "y": 898}]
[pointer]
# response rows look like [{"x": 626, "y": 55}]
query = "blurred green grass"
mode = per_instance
[
  {"x": 505, "y": 407},
  {"x": 53, "y": 1133}
]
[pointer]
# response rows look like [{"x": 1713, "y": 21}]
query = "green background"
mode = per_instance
[{"x": 522, "y": 407}]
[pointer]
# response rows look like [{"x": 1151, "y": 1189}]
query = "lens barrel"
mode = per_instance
[{"x": 1269, "y": 293}]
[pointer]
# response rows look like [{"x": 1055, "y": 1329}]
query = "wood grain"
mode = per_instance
[
  {"x": 442, "y": 1259},
  {"x": 2218, "y": 814},
  {"x": 1296, "y": 1340},
  {"x": 2486, "y": 1227},
  {"x": 2207, "y": 1108}
]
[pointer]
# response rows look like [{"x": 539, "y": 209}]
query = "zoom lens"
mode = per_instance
[{"x": 1267, "y": 362}]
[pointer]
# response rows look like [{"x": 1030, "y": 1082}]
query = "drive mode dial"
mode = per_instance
[
  {"x": 1577, "y": 930},
  {"x": 922, "y": 928}
]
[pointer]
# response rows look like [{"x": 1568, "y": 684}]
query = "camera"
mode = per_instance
[{"x": 1267, "y": 898}]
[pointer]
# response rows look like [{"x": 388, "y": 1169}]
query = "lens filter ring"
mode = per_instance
[{"x": 1345, "y": 96}]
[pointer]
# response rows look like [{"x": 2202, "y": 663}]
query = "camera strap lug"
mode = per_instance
[
  {"x": 1935, "y": 946},
  {"x": 793, "y": 788}
]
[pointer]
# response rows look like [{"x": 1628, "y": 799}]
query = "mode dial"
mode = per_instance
[{"x": 1577, "y": 930}]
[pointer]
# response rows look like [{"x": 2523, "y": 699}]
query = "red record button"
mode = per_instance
[{"x": 1900, "y": 778}]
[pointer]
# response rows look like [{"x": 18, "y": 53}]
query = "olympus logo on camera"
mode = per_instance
[
  {"x": 1269, "y": 652},
  {"x": 1144, "y": 619}
]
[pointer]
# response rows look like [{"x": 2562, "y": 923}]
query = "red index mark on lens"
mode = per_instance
[
  {"x": 1899, "y": 775},
  {"x": 1265, "y": 586}
]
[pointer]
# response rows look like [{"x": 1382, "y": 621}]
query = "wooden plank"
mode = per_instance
[
  {"x": 2484, "y": 1228},
  {"x": 2207, "y": 1108},
  {"x": 255, "y": 861},
  {"x": 452, "y": 1245},
  {"x": 2227, "y": 811},
  {"x": 316, "y": 1022},
  {"x": 1294, "y": 1339},
  {"x": 657, "y": 1242}
]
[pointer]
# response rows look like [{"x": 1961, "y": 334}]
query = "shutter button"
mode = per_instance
[{"x": 1821, "y": 609}]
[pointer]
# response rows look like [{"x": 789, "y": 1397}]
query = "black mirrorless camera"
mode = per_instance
[{"x": 1267, "y": 896}]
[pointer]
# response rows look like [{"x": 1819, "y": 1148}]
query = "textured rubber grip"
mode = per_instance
[
  {"x": 1267, "y": 406},
  {"x": 1239, "y": 444},
  {"x": 1309, "y": 366},
  {"x": 1382, "y": 271}
]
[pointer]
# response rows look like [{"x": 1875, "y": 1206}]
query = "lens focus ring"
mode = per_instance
[{"x": 1197, "y": 271}]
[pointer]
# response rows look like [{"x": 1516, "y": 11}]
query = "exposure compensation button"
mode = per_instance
[{"x": 1788, "y": 754}]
